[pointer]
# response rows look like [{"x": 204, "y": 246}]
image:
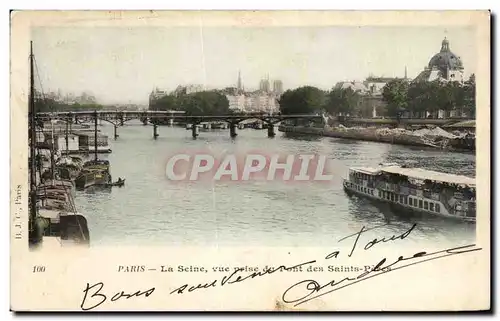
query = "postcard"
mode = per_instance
[{"x": 250, "y": 161}]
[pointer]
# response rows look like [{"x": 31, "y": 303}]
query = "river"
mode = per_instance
[{"x": 150, "y": 210}]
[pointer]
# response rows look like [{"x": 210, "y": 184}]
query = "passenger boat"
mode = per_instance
[{"x": 416, "y": 190}]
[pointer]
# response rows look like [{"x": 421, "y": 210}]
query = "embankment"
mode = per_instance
[{"x": 384, "y": 136}]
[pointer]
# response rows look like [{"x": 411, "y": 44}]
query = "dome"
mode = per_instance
[{"x": 445, "y": 59}]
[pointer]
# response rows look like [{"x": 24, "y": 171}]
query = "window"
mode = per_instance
[
  {"x": 379, "y": 194},
  {"x": 405, "y": 199},
  {"x": 431, "y": 206},
  {"x": 426, "y": 205},
  {"x": 364, "y": 190},
  {"x": 420, "y": 203},
  {"x": 401, "y": 199},
  {"x": 392, "y": 197},
  {"x": 438, "y": 208},
  {"x": 410, "y": 201}
]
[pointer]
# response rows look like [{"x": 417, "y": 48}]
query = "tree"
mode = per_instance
[
  {"x": 167, "y": 102},
  {"x": 469, "y": 99},
  {"x": 422, "y": 97},
  {"x": 302, "y": 100},
  {"x": 204, "y": 103},
  {"x": 340, "y": 101},
  {"x": 395, "y": 94},
  {"x": 450, "y": 96}
]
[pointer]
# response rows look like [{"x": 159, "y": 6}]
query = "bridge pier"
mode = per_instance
[
  {"x": 232, "y": 130},
  {"x": 155, "y": 131},
  {"x": 116, "y": 131},
  {"x": 194, "y": 131},
  {"x": 270, "y": 130}
]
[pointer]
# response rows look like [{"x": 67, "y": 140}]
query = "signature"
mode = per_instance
[
  {"x": 97, "y": 298},
  {"x": 307, "y": 288}
]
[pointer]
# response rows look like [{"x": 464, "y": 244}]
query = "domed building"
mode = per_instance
[{"x": 444, "y": 65}]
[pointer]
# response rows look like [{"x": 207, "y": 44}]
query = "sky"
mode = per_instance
[{"x": 123, "y": 65}]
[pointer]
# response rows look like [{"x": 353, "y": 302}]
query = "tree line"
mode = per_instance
[
  {"x": 51, "y": 105},
  {"x": 414, "y": 99},
  {"x": 211, "y": 102}
]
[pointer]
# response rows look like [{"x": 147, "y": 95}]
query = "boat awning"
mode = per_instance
[
  {"x": 423, "y": 174},
  {"x": 366, "y": 170}
]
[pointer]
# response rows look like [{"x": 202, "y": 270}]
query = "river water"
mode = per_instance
[{"x": 150, "y": 210}]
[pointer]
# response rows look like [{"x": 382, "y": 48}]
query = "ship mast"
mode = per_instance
[
  {"x": 66, "y": 136},
  {"x": 33, "y": 233},
  {"x": 95, "y": 134}
]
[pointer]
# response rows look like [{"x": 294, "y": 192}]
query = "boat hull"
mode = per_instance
[
  {"x": 92, "y": 178},
  {"x": 398, "y": 207}
]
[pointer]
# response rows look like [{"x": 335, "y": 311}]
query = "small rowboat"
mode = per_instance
[{"x": 117, "y": 183}]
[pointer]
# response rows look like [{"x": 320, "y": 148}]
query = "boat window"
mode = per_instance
[
  {"x": 405, "y": 199},
  {"x": 364, "y": 190},
  {"x": 431, "y": 206},
  {"x": 426, "y": 205},
  {"x": 438, "y": 208},
  {"x": 420, "y": 203},
  {"x": 392, "y": 197},
  {"x": 410, "y": 201}
]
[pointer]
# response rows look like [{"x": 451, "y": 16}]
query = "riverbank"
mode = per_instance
[{"x": 389, "y": 136}]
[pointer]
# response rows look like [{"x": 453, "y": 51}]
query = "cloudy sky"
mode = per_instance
[{"x": 122, "y": 65}]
